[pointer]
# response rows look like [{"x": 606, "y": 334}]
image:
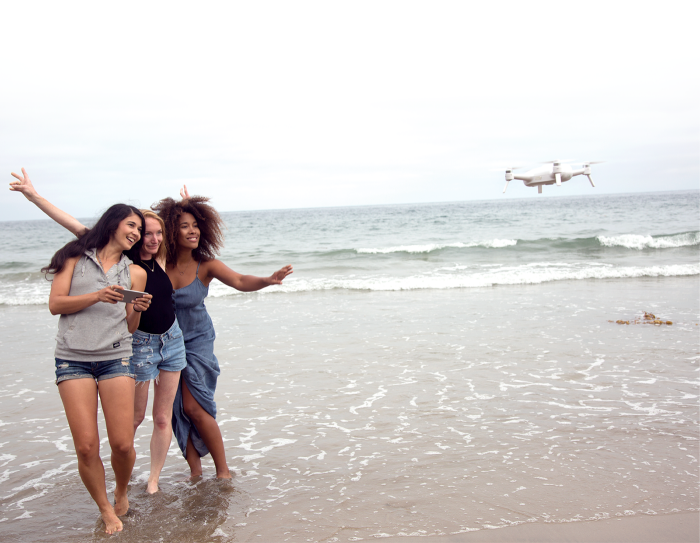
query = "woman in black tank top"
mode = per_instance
[{"x": 159, "y": 348}]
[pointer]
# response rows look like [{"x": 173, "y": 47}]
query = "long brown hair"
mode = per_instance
[
  {"x": 96, "y": 237},
  {"x": 210, "y": 224}
]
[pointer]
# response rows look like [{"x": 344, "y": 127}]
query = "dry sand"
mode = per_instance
[{"x": 680, "y": 528}]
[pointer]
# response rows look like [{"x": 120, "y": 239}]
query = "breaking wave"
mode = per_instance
[
  {"x": 628, "y": 241},
  {"x": 429, "y": 248},
  {"x": 485, "y": 277},
  {"x": 640, "y": 242}
]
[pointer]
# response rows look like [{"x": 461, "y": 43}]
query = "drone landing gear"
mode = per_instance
[
  {"x": 591, "y": 180},
  {"x": 557, "y": 177},
  {"x": 539, "y": 189}
]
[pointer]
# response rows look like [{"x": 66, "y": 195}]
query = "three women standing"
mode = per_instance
[{"x": 193, "y": 233}]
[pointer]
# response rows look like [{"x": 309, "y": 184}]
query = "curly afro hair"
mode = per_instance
[{"x": 210, "y": 224}]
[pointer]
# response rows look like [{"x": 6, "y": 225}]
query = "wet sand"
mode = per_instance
[
  {"x": 680, "y": 528},
  {"x": 507, "y": 414}
]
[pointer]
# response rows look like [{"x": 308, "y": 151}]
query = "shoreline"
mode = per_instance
[{"x": 673, "y": 528}]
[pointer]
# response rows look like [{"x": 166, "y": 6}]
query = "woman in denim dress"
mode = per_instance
[{"x": 193, "y": 239}]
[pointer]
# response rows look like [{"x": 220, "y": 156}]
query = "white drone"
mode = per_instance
[{"x": 552, "y": 173}]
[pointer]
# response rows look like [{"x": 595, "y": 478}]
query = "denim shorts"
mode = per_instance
[
  {"x": 154, "y": 352},
  {"x": 104, "y": 369}
]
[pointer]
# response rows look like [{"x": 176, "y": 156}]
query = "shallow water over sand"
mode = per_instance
[{"x": 350, "y": 415}]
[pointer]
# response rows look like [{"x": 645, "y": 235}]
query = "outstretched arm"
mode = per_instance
[
  {"x": 24, "y": 185},
  {"x": 245, "y": 283}
]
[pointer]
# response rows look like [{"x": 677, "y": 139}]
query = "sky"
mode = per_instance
[{"x": 265, "y": 105}]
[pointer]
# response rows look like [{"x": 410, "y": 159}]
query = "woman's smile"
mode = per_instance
[
  {"x": 188, "y": 234},
  {"x": 153, "y": 236},
  {"x": 129, "y": 230}
]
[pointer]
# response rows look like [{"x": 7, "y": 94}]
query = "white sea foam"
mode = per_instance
[
  {"x": 639, "y": 242},
  {"x": 28, "y": 293},
  {"x": 505, "y": 275},
  {"x": 491, "y": 244}
]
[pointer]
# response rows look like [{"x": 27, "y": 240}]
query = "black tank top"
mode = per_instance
[{"x": 161, "y": 315}]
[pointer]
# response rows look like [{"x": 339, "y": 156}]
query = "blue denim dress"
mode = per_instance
[{"x": 202, "y": 368}]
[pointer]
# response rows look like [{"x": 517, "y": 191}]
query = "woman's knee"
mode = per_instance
[
  {"x": 88, "y": 451},
  {"x": 138, "y": 419},
  {"x": 191, "y": 408},
  {"x": 122, "y": 447},
  {"x": 162, "y": 421}
]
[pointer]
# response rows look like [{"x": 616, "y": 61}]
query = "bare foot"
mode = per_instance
[
  {"x": 121, "y": 504},
  {"x": 224, "y": 475},
  {"x": 111, "y": 520},
  {"x": 152, "y": 487},
  {"x": 190, "y": 479}
]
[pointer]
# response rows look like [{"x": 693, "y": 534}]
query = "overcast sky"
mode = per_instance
[{"x": 266, "y": 105}]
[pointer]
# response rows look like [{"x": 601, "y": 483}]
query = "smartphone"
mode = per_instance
[{"x": 130, "y": 295}]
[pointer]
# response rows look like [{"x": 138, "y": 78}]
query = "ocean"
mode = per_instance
[{"x": 428, "y": 369}]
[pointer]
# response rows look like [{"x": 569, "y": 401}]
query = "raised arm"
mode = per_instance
[
  {"x": 24, "y": 185},
  {"x": 215, "y": 269}
]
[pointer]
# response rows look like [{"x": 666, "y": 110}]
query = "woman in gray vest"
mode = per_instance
[
  {"x": 93, "y": 348},
  {"x": 158, "y": 346}
]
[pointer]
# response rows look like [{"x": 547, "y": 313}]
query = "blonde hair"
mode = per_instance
[{"x": 162, "y": 249}]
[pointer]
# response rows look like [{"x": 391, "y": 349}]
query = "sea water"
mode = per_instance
[{"x": 427, "y": 369}]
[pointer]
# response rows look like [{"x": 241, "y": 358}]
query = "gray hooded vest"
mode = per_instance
[{"x": 98, "y": 332}]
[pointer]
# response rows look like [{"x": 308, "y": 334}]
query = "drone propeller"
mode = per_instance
[
  {"x": 587, "y": 169},
  {"x": 509, "y": 176},
  {"x": 500, "y": 168}
]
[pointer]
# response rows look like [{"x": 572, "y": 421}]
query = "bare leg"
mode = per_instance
[
  {"x": 193, "y": 459},
  {"x": 210, "y": 432},
  {"x": 164, "y": 396},
  {"x": 79, "y": 397},
  {"x": 140, "y": 402},
  {"x": 117, "y": 398}
]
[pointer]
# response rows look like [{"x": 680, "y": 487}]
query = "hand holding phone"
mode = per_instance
[{"x": 131, "y": 295}]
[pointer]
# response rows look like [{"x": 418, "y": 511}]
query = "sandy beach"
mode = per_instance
[
  {"x": 678, "y": 528},
  {"x": 435, "y": 375},
  {"x": 341, "y": 429}
]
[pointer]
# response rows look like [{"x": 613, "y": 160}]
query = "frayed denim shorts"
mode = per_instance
[
  {"x": 155, "y": 352},
  {"x": 104, "y": 369}
]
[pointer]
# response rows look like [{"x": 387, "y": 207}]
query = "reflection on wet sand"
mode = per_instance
[{"x": 185, "y": 512}]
